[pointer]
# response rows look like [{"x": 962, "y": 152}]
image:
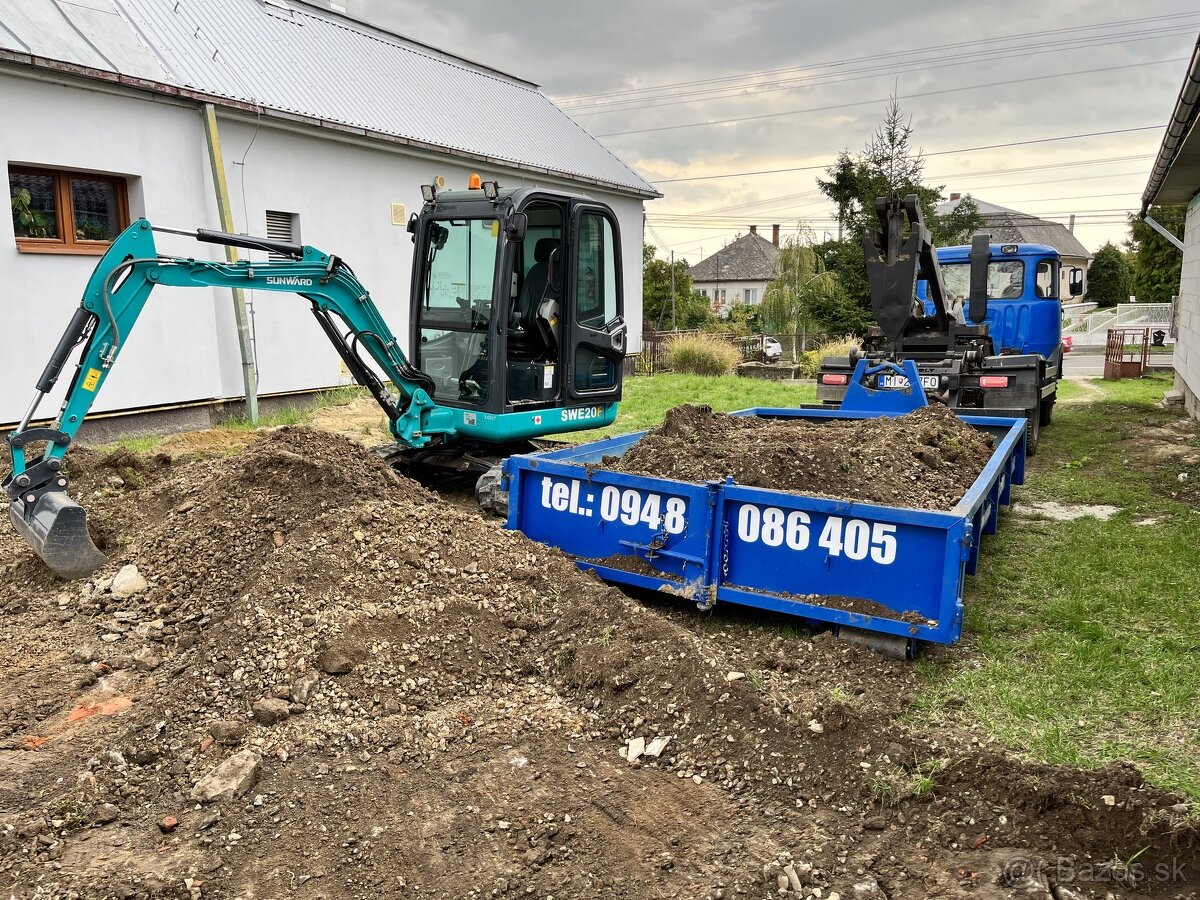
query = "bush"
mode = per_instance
[
  {"x": 811, "y": 361},
  {"x": 702, "y": 354},
  {"x": 1109, "y": 280}
]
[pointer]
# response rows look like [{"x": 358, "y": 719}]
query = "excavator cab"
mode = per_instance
[{"x": 517, "y": 308}]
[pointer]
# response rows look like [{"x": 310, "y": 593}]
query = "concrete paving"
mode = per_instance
[{"x": 1091, "y": 365}]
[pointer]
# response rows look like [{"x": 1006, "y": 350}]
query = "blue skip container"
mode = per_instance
[{"x": 891, "y": 576}]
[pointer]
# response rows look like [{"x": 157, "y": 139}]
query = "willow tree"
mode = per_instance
[{"x": 801, "y": 284}]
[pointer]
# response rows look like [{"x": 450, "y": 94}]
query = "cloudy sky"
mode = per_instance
[{"x": 696, "y": 95}]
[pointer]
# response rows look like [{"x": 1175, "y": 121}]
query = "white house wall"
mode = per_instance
[
  {"x": 1187, "y": 346},
  {"x": 343, "y": 194},
  {"x": 734, "y": 290},
  {"x": 184, "y": 348},
  {"x": 173, "y": 354}
]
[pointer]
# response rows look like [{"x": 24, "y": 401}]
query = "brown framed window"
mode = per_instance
[{"x": 55, "y": 211}]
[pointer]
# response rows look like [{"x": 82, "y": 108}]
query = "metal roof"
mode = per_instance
[
  {"x": 1175, "y": 177},
  {"x": 296, "y": 58}
]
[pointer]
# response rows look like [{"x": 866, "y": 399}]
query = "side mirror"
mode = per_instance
[
  {"x": 515, "y": 227},
  {"x": 1076, "y": 282},
  {"x": 412, "y": 223}
]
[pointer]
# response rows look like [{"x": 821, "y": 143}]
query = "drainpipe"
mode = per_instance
[{"x": 225, "y": 211}]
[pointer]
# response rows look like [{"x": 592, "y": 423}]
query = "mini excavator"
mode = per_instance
[{"x": 515, "y": 326}]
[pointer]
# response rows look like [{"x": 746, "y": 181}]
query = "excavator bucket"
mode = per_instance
[{"x": 55, "y": 526}]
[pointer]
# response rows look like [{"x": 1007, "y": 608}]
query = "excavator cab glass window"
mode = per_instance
[
  {"x": 595, "y": 300},
  {"x": 532, "y": 361},
  {"x": 456, "y": 307}
]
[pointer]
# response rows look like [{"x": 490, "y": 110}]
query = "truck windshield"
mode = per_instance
[{"x": 1006, "y": 279}]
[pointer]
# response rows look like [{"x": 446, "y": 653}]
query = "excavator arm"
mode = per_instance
[{"x": 115, "y": 297}]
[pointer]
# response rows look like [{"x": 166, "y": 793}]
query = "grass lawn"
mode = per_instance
[
  {"x": 647, "y": 399},
  {"x": 1069, "y": 390},
  {"x": 302, "y": 414},
  {"x": 1081, "y": 637}
]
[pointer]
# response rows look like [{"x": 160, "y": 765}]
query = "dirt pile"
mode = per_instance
[
  {"x": 335, "y": 685},
  {"x": 925, "y": 459}
]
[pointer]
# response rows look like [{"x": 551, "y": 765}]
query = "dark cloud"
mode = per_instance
[{"x": 584, "y": 49}]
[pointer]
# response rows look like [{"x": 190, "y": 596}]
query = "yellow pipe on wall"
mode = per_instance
[{"x": 225, "y": 211}]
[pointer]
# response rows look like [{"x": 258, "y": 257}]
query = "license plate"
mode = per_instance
[{"x": 929, "y": 382}]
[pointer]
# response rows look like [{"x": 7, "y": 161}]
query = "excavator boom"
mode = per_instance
[{"x": 39, "y": 507}]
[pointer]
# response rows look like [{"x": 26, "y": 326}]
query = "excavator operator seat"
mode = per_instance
[
  {"x": 543, "y": 282},
  {"x": 543, "y": 279}
]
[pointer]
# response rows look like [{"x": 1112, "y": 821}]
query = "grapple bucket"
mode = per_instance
[{"x": 55, "y": 526}]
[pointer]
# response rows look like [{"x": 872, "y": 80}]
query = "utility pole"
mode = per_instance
[
  {"x": 674, "y": 327},
  {"x": 717, "y": 289},
  {"x": 796, "y": 289}
]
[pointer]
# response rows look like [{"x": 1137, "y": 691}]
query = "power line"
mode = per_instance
[
  {"x": 742, "y": 223},
  {"x": 1139, "y": 173},
  {"x": 940, "y": 61},
  {"x": 668, "y": 218},
  {"x": 668, "y": 221},
  {"x": 971, "y": 176},
  {"x": 1099, "y": 220},
  {"x": 1021, "y": 36},
  {"x": 875, "y": 100},
  {"x": 1064, "y": 137}
]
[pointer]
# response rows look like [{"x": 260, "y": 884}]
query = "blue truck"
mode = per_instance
[{"x": 982, "y": 322}]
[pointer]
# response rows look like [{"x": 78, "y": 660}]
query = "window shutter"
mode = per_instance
[{"x": 282, "y": 226}]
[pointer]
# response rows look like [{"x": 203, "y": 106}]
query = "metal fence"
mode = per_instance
[{"x": 1092, "y": 328}]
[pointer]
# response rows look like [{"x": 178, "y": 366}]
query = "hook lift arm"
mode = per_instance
[{"x": 114, "y": 299}]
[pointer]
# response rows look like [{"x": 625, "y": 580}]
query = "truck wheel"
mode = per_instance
[
  {"x": 1033, "y": 430},
  {"x": 1048, "y": 409}
]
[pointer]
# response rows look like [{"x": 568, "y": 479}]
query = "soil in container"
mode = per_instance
[{"x": 926, "y": 459}]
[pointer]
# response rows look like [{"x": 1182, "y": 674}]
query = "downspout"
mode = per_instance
[
  {"x": 1175, "y": 242},
  {"x": 225, "y": 211}
]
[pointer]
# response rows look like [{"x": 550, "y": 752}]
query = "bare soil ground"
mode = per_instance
[
  {"x": 925, "y": 459},
  {"x": 361, "y": 420},
  {"x": 405, "y": 700}
]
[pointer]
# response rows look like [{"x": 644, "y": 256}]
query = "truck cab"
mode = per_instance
[{"x": 1024, "y": 312}]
